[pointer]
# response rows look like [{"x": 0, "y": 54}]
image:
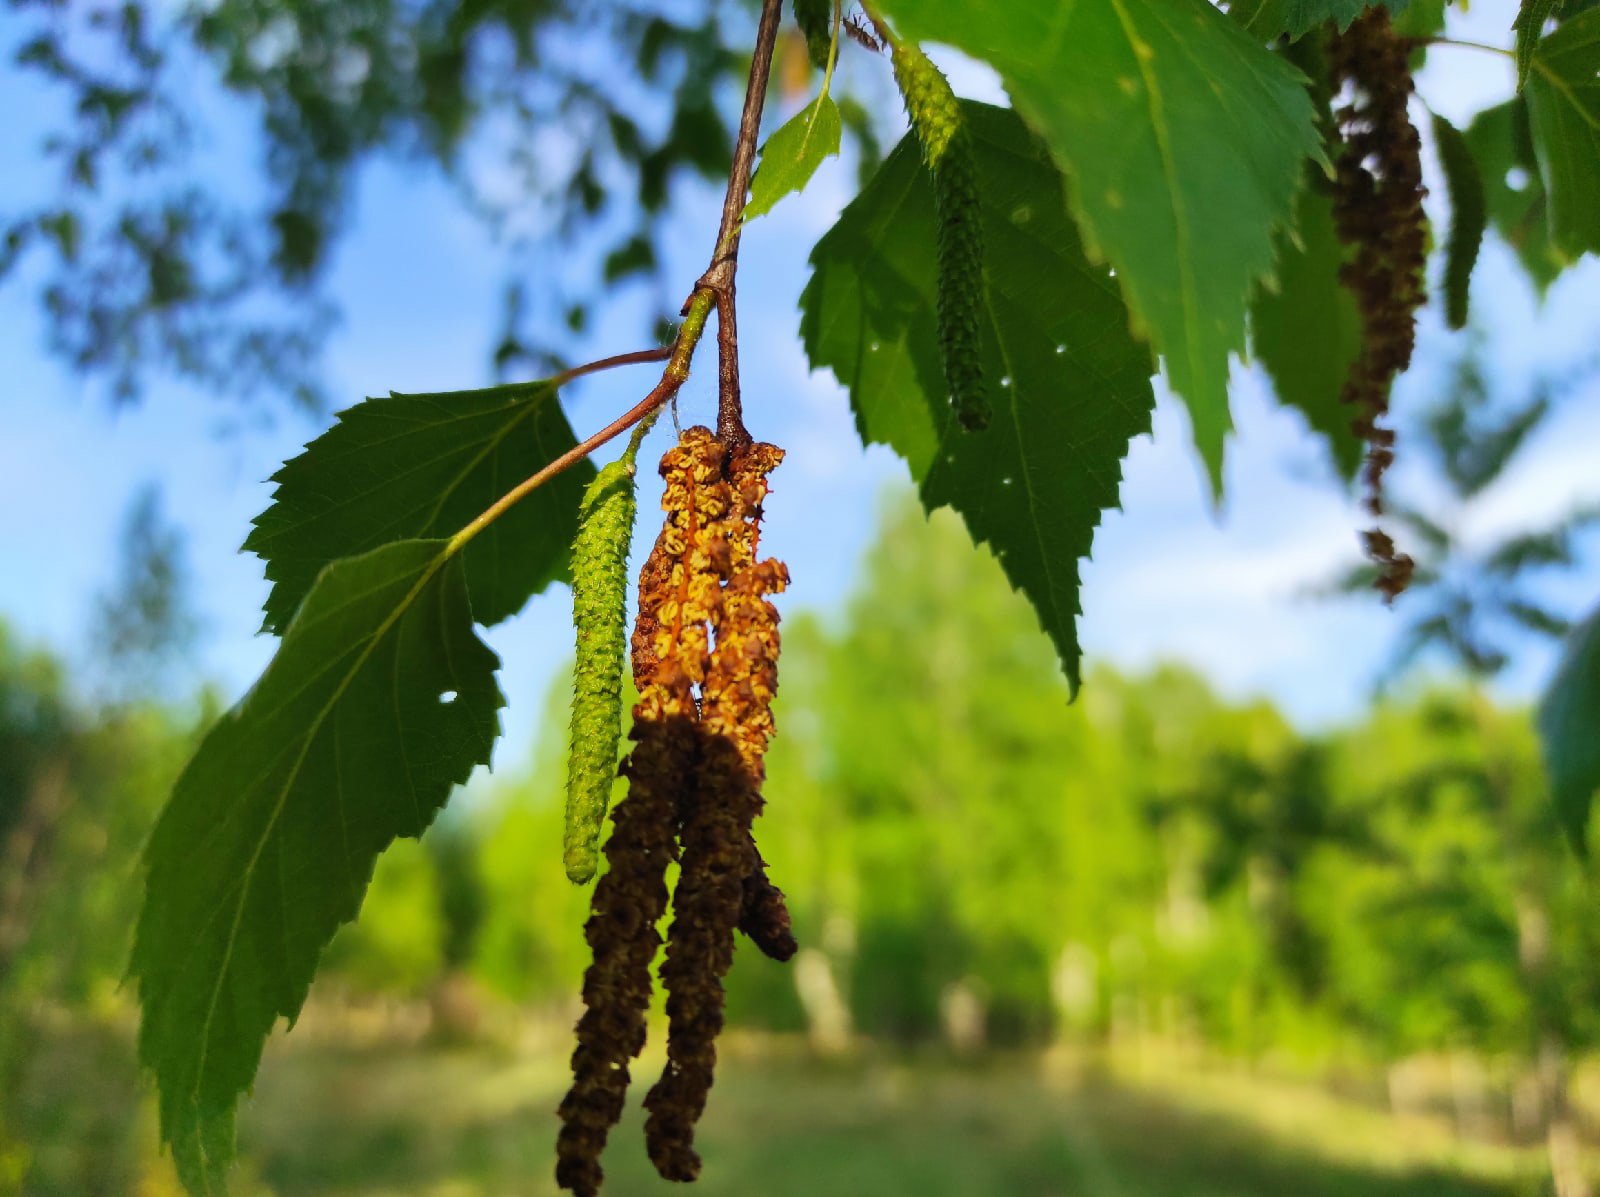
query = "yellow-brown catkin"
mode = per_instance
[
  {"x": 764, "y": 913},
  {"x": 719, "y": 855},
  {"x": 679, "y": 588},
  {"x": 1378, "y": 211}
]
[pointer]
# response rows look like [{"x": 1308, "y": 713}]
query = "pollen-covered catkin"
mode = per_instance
[
  {"x": 941, "y": 131},
  {"x": 1377, "y": 209},
  {"x": 718, "y": 850},
  {"x": 678, "y": 587},
  {"x": 599, "y": 611}
]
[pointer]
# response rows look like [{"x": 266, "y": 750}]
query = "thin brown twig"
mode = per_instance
[
  {"x": 637, "y": 357},
  {"x": 715, "y": 286},
  {"x": 719, "y": 276},
  {"x": 672, "y": 379},
  {"x": 730, "y": 405}
]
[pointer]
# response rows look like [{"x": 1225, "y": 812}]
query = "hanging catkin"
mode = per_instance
[
  {"x": 678, "y": 589},
  {"x": 764, "y": 914},
  {"x": 599, "y": 609},
  {"x": 941, "y": 131},
  {"x": 1378, "y": 211},
  {"x": 719, "y": 857}
]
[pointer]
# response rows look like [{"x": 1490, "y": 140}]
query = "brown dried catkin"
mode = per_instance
[
  {"x": 719, "y": 856},
  {"x": 1378, "y": 212},
  {"x": 764, "y": 914},
  {"x": 679, "y": 585}
]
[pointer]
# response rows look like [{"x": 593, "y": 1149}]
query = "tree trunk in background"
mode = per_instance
[
  {"x": 1468, "y": 1091},
  {"x": 23, "y": 857},
  {"x": 1560, "y": 1127},
  {"x": 827, "y": 1017},
  {"x": 1406, "y": 1092}
]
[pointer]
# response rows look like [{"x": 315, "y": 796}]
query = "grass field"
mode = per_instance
[
  {"x": 471, "y": 1123},
  {"x": 403, "y": 1121}
]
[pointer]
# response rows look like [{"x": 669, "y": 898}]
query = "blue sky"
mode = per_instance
[{"x": 417, "y": 281}]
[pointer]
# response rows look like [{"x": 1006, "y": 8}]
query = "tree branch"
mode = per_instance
[
  {"x": 611, "y": 363},
  {"x": 715, "y": 287},
  {"x": 672, "y": 378},
  {"x": 719, "y": 276}
]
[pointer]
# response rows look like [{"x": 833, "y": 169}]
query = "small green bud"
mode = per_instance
[{"x": 599, "y": 602}]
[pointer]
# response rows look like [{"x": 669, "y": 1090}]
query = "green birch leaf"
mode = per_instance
[
  {"x": 380, "y": 699},
  {"x": 1569, "y": 729},
  {"x": 1306, "y": 331},
  {"x": 419, "y": 466},
  {"x": 793, "y": 153},
  {"x": 1563, "y": 95},
  {"x": 1184, "y": 140},
  {"x": 1502, "y": 144},
  {"x": 1272, "y": 19},
  {"x": 1468, "y": 218},
  {"x": 1529, "y": 25},
  {"x": 1072, "y": 385}
]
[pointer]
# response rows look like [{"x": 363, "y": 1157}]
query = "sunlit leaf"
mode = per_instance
[
  {"x": 1531, "y": 20},
  {"x": 417, "y": 466},
  {"x": 1569, "y": 719},
  {"x": 1563, "y": 94},
  {"x": 1306, "y": 330},
  {"x": 1468, "y": 218},
  {"x": 793, "y": 153},
  {"x": 380, "y": 699},
  {"x": 1072, "y": 384},
  {"x": 1502, "y": 144},
  {"x": 1269, "y": 19},
  {"x": 1183, "y": 139}
]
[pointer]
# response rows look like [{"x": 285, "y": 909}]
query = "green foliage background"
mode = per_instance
[{"x": 1153, "y": 861}]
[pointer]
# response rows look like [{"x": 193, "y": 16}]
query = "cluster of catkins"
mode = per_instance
[
  {"x": 705, "y": 660},
  {"x": 1378, "y": 211}
]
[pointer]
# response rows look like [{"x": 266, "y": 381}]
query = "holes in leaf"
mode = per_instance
[
  {"x": 448, "y": 697},
  {"x": 1517, "y": 179}
]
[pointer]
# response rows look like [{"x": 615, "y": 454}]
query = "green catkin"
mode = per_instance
[
  {"x": 1469, "y": 217},
  {"x": 936, "y": 119},
  {"x": 599, "y": 601},
  {"x": 815, "y": 18}
]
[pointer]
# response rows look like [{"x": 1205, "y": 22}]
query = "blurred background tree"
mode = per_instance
[
  {"x": 146, "y": 267},
  {"x": 1473, "y": 596},
  {"x": 979, "y": 869}
]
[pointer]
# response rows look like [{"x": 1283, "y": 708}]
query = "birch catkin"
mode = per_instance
[
  {"x": 700, "y": 732},
  {"x": 719, "y": 855},
  {"x": 1377, "y": 210},
  {"x": 941, "y": 131},
  {"x": 678, "y": 587},
  {"x": 599, "y": 602}
]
